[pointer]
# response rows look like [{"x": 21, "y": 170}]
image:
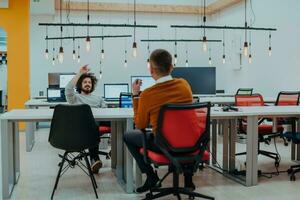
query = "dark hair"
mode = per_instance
[
  {"x": 82, "y": 77},
  {"x": 162, "y": 59}
]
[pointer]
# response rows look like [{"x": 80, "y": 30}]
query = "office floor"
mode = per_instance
[{"x": 39, "y": 169}]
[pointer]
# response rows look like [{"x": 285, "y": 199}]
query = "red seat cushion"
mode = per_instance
[
  {"x": 104, "y": 129},
  {"x": 265, "y": 129},
  {"x": 161, "y": 159}
]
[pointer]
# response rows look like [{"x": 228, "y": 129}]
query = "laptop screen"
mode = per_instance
[
  {"x": 54, "y": 94},
  {"x": 112, "y": 91}
]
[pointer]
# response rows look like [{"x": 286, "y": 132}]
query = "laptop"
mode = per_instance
[{"x": 55, "y": 95}]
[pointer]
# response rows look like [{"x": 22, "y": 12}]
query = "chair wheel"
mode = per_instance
[
  {"x": 290, "y": 170},
  {"x": 191, "y": 197},
  {"x": 276, "y": 164},
  {"x": 292, "y": 177}
]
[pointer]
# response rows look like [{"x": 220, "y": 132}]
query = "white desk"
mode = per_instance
[
  {"x": 43, "y": 103},
  {"x": 10, "y": 139},
  {"x": 10, "y": 162}
]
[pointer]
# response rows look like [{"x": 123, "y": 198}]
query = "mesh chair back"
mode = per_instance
[
  {"x": 244, "y": 91},
  {"x": 287, "y": 99},
  {"x": 73, "y": 128},
  {"x": 249, "y": 100},
  {"x": 184, "y": 128}
]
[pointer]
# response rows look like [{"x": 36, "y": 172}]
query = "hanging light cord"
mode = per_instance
[
  {"x": 223, "y": 42},
  {"x": 61, "y": 28},
  {"x": 73, "y": 38},
  {"x": 246, "y": 21},
  {"x": 204, "y": 15},
  {"x": 46, "y": 37},
  {"x": 134, "y": 18},
  {"x": 88, "y": 17},
  {"x": 148, "y": 46}
]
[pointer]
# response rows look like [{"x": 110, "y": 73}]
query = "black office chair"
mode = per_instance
[
  {"x": 244, "y": 91},
  {"x": 73, "y": 129}
]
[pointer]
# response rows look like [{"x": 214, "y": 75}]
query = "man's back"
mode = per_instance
[{"x": 151, "y": 100}]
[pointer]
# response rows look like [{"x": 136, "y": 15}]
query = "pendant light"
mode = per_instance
[
  {"x": 125, "y": 53},
  {"x": 78, "y": 57},
  {"x": 74, "y": 52},
  {"x": 61, "y": 49},
  {"x": 186, "y": 55},
  {"x": 88, "y": 38},
  {"x": 53, "y": 52},
  {"x": 223, "y": 56},
  {"x": 209, "y": 59},
  {"x": 250, "y": 48},
  {"x": 148, "y": 51},
  {"x": 46, "y": 50},
  {"x": 204, "y": 21},
  {"x": 270, "y": 47},
  {"x": 245, "y": 50},
  {"x": 134, "y": 45}
]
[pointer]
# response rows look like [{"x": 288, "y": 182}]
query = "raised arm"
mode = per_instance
[{"x": 69, "y": 90}]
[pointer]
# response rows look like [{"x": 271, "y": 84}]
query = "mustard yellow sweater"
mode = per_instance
[{"x": 147, "y": 106}]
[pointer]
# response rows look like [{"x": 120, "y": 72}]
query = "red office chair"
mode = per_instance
[
  {"x": 182, "y": 137},
  {"x": 265, "y": 131}
]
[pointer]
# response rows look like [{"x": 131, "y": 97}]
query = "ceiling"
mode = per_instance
[{"x": 48, "y": 7}]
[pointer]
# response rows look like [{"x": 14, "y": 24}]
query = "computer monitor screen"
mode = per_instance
[
  {"x": 125, "y": 100},
  {"x": 64, "y": 79},
  {"x": 147, "y": 81},
  {"x": 201, "y": 79},
  {"x": 112, "y": 91}
]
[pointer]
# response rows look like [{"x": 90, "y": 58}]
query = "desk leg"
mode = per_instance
[
  {"x": 232, "y": 139},
  {"x": 225, "y": 127},
  {"x": 7, "y": 160},
  {"x": 252, "y": 148},
  {"x": 129, "y": 161},
  {"x": 29, "y": 136},
  {"x": 214, "y": 137},
  {"x": 297, "y": 146},
  {"x": 120, "y": 157},
  {"x": 16, "y": 140},
  {"x": 113, "y": 144}
]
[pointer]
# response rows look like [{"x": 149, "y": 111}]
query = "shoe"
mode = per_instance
[
  {"x": 188, "y": 183},
  {"x": 151, "y": 182},
  {"x": 96, "y": 165}
]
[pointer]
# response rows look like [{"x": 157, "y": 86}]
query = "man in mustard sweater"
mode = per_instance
[{"x": 146, "y": 106}]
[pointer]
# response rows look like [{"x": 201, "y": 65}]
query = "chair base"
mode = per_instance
[
  {"x": 160, "y": 192},
  {"x": 269, "y": 154},
  {"x": 292, "y": 171},
  {"x": 72, "y": 163}
]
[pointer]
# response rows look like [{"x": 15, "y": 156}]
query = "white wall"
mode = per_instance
[{"x": 267, "y": 75}]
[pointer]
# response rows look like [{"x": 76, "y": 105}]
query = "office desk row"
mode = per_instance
[{"x": 122, "y": 119}]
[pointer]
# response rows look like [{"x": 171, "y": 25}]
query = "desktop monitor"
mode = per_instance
[
  {"x": 64, "y": 79},
  {"x": 53, "y": 80},
  {"x": 112, "y": 91},
  {"x": 55, "y": 95},
  {"x": 201, "y": 79},
  {"x": 147, "y": 81}
]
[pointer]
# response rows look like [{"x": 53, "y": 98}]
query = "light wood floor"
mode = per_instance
[{"x": 39, "y": 169}]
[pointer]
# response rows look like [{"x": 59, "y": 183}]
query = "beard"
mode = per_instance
[{"x": 86, "y": 89}]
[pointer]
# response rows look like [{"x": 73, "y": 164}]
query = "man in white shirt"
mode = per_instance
[{"x": 85, "y": 83}]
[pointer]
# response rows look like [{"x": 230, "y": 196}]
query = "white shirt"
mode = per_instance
[{"x": 164, "y": 79}]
